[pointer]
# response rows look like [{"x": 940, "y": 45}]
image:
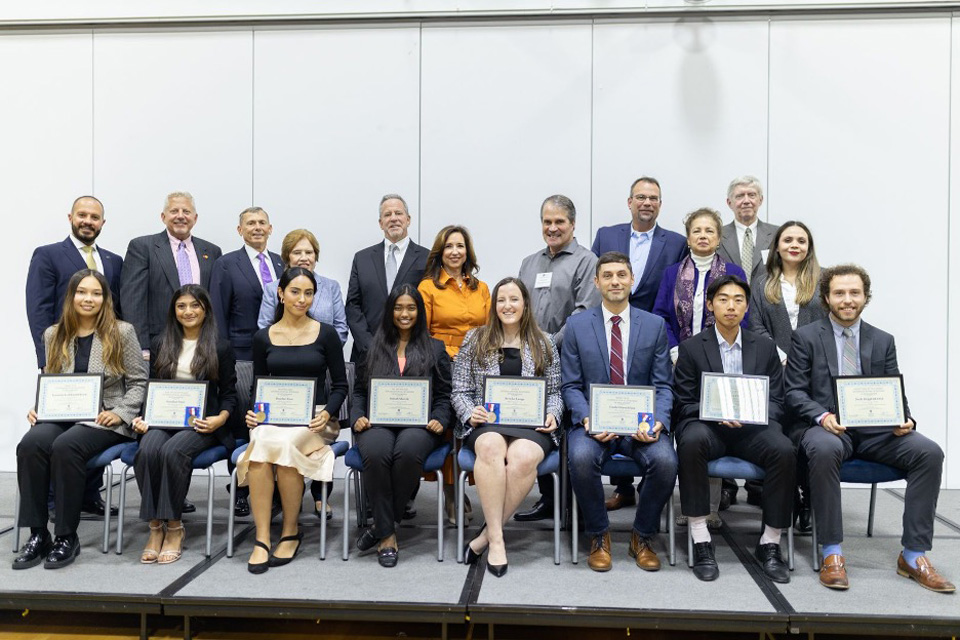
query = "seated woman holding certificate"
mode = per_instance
[
  {"x": 87, "y": 339},
  {"x": 189, "y": 349},
  {"x": 510, "y": 344},
  {"x": 294, "y": 346},
  {"x": 393, "y": 454}
]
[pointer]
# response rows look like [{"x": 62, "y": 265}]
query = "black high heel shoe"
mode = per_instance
[
  {"x": 498, "y": 570},
  {"x": 260, "y": 567},
  {"x": 469, "y": 555}
]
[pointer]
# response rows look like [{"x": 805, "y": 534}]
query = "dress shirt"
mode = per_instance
[
  {"x": 401, "y": 250},
  {"x": 255, "y": 261},
  {"x": 453, "y": 310},
  {"x": 838, "y": 338},
  {"x": 326, "y": 308},
  {"x": 731, "y": 354},
  {"x": 741, "y": 230},
  {"x": 571, "y": 288},
  {"x": 788, "y": 293},
  {"x": 624, "y": 333},
  {"x": 96, "y": 254},
  {"x": 639, "y": 252},
  {"x": 191, "y": 256}
]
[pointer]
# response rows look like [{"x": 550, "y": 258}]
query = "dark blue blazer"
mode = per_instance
[
  {"x": 665, "y": 308},
  {"x": 236, "y": 293},
  {"x": 50, "y": 269},
  {"x": 585, "y": 360},
  {"x": 667, "y": 248}
]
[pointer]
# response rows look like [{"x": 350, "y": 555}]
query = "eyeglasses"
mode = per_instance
[{"x": 643, "y": 198}]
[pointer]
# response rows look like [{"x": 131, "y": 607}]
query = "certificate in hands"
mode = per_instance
[
  {"x": 399, "y": 402},
  {"x": 69, "y": 397},
  {"x": 870, "y": 401},
  {"x": 175, "y": 404},
  {"x": 515, "y": 401},
  {"x": 734, "y": 398},
  {"x": 621, "y": 409},
  {"x": 285, "y": 402}
]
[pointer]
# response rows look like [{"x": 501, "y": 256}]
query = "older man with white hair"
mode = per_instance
[{"x": 746, "y": 240}]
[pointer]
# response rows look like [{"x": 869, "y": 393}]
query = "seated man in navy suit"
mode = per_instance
[
  {"x": 50, "y": 269},
  {"x": 618, "y": 344},
  {"x": 842, "y": 344},
  {"x": 726, "y": 348}
]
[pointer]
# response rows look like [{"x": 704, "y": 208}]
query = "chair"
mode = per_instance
[
  {"x": 433, "y": 462},
  {"x": 859, "y": 471},
  {"x": 737, "y": 468},
  {"x": 550, "y": 465},
  {"x": 102, "y": 460},
  {"x": 620, "y": 465}
]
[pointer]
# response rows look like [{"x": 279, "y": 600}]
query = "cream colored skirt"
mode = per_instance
[{"x": 295, "y": 447}]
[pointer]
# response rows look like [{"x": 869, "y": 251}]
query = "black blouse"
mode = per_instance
[
  {"x": 81, "y": 361},
  {"x": 511, "y": 365}
]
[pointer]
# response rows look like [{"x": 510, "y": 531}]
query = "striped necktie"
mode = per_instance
[
  {"x": 746, "y": 253},
  {"x": 850, "y": 366},
  {"x": 616, "y": 352}
]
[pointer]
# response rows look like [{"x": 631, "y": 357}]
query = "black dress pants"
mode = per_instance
[{"x": 164, "y": 466}]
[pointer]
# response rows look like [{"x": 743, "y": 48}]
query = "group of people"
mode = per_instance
[{"x": 645, "y": 306}]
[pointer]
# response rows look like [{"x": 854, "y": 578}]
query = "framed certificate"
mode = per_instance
[
  {"x": 734, "y": 398},
  {"x": 515, "y": 401},
  {"x": 870, "y": 401},
  {"x": 399, "y": 402},
  {"x": 621, "y": 409},
  {"x": 175, "y": 404},
  {"x": 69, "y": 397},
  {"x": 284, "y": 402}
]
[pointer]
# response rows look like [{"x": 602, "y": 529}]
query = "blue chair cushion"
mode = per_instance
[
  {"x": 467, "y": 459},
  {"x": 339, "y": 448},
  {"x": 238, "y": 451},
  {"x": 129, "y": 453},
  {"x": 353, "y": 460},
  {"x": 107, "y": 456},
  {"x": 208, "y": 457},
  {"x": 864, "y": 472},
  {"x": 436, "y": 458},
  {"x": 731, "y": 467},
  {"x": 620, "y": 465}
]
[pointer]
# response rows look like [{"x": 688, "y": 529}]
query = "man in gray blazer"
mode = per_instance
[
  {"x": 844, "y": 345},
  {"x": 746, "y": 240},
  {"x": 157, "y": 265}
]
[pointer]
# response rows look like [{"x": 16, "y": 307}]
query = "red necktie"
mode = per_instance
[{"x": 616, "y": 352}]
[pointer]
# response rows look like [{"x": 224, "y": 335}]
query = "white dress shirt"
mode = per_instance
[
  {"x": 401, "y": 251},
  {"x": 255, "y": 261},
  {"x": 731, "y": 355},
  {"x": 741, "y": 230},
  {"x": 624, "y": 333},
  {"x": 96, "y": 253}
]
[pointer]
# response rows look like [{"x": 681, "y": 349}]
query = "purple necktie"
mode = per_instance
[
  {"x": 265, "y": 276},
  {"x": 183, "y": 265},
  {"x": 616, "y": 352}
]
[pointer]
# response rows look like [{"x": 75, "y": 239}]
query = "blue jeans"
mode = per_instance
[{"x": 657, "y": 464}]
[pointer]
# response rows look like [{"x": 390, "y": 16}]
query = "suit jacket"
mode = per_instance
[
  {"x": 812, "y": 365},
  {"x": 585, "y": 360},
  {"x": 236, "y": 293},
  {"x": 771, "y": 320},
  {"x": 50, "y": 270},
  {"x": 729, "y": 248},
  {"x": 149, "y": 279},
  {"x": 367, "y": 291},
  {"x": 666, "y": 248},
  {"x": 702, "y": 353},
  {"x": 121, "y": 394},
  {"x": 221, "y": 395}
]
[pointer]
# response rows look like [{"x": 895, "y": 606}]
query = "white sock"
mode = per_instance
[
  {"x": 771, "y": 535},
  {"x": 698, "y": 529}
]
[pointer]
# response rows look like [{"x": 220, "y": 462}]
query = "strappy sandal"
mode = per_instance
[
  {"x": 170, "y": 555},
  {"x": 274, "y": 561},
  {"x": 149, "y": 556},
  {"x": 260, "y": 567}
]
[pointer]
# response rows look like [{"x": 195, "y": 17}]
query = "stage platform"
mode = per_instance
[{"x": 533, "y": 592}]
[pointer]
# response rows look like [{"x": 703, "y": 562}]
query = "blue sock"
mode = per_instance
[
  {"x": 911, "y": 556},
  {"x": 831, "y": 549}
]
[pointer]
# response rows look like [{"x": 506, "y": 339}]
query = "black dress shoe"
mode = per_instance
[
  {"x": 705, "y": 562},
  {"x": 367, "y": 540},
  {"x": 241, "y": 508},
  {"x": 34, "y": 551},
  {"x": 772, "y": 562},
  {"x": 727, "y": 498},
  {"x": 188, "y": 507},
  {"x": 98, "y": 507},
  {"x": 274, "y": 561},
  {"x": 498, "y": 570},
  {"x": 260, "y": 567},
  {"x": 540, "y": 511},
  {"x": 65, "y": 550},
  {"x": 387, "y": 557}
]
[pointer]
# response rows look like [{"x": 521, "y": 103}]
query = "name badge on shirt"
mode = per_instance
[{"x": 543, "y": 281}]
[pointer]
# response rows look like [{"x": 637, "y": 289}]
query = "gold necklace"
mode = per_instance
[{"x": 290, "y": 341}]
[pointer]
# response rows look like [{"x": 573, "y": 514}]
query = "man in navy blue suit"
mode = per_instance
[
  {"x": 651, "y": 249},
  {"x": 617, "y": 344},
  {"x": 50, "y": 270}
]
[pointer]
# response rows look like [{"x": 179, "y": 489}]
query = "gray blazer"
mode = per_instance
[
  {"x": 121, "y": 394},
  {"x": 771, "y": 320},
  {"x": 729, "y": 248},
  {"x": 468, "y": 383}
]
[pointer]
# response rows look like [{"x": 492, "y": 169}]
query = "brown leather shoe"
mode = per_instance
[
  {"x": 925, "y": 574},
  {"x": 600, "y": 558},
  {"x": 619, "y": 500},
  {"x": 641, "y": 549},
  {"x": 832, "y": 573}
]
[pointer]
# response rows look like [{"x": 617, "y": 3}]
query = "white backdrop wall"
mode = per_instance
[{"x": 846, "y": 120}]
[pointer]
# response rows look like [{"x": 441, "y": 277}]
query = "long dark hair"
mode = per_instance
[
  {"x": 284, "y": 282},
  {"x": 382, "y": 353},
  {"x": 489, "y": 337},
  {"x": 808, "y": 275},
  {"x": 434, "y": 264},
  {"x": 205, "y": 364},
  {"x": 105, "y": 327}
]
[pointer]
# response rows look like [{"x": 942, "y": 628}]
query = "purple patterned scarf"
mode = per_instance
[{"x": 683, "y": 294}]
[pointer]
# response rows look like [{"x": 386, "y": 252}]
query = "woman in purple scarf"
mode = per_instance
[{"x": 681, "y": 299}]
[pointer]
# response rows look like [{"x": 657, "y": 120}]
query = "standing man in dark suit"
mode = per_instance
[
  {"x": 844, "y": 345},
  {"x": 50, "y": 269},
  {"x": 157, "y": 265},
  {"x": 377, "y": 269},
  {"x": 651, "y": 249},
  {"x": 746, "y": 241},
  {"x": 618, "y": 344},
  {"x": 725, "y": 348}
]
